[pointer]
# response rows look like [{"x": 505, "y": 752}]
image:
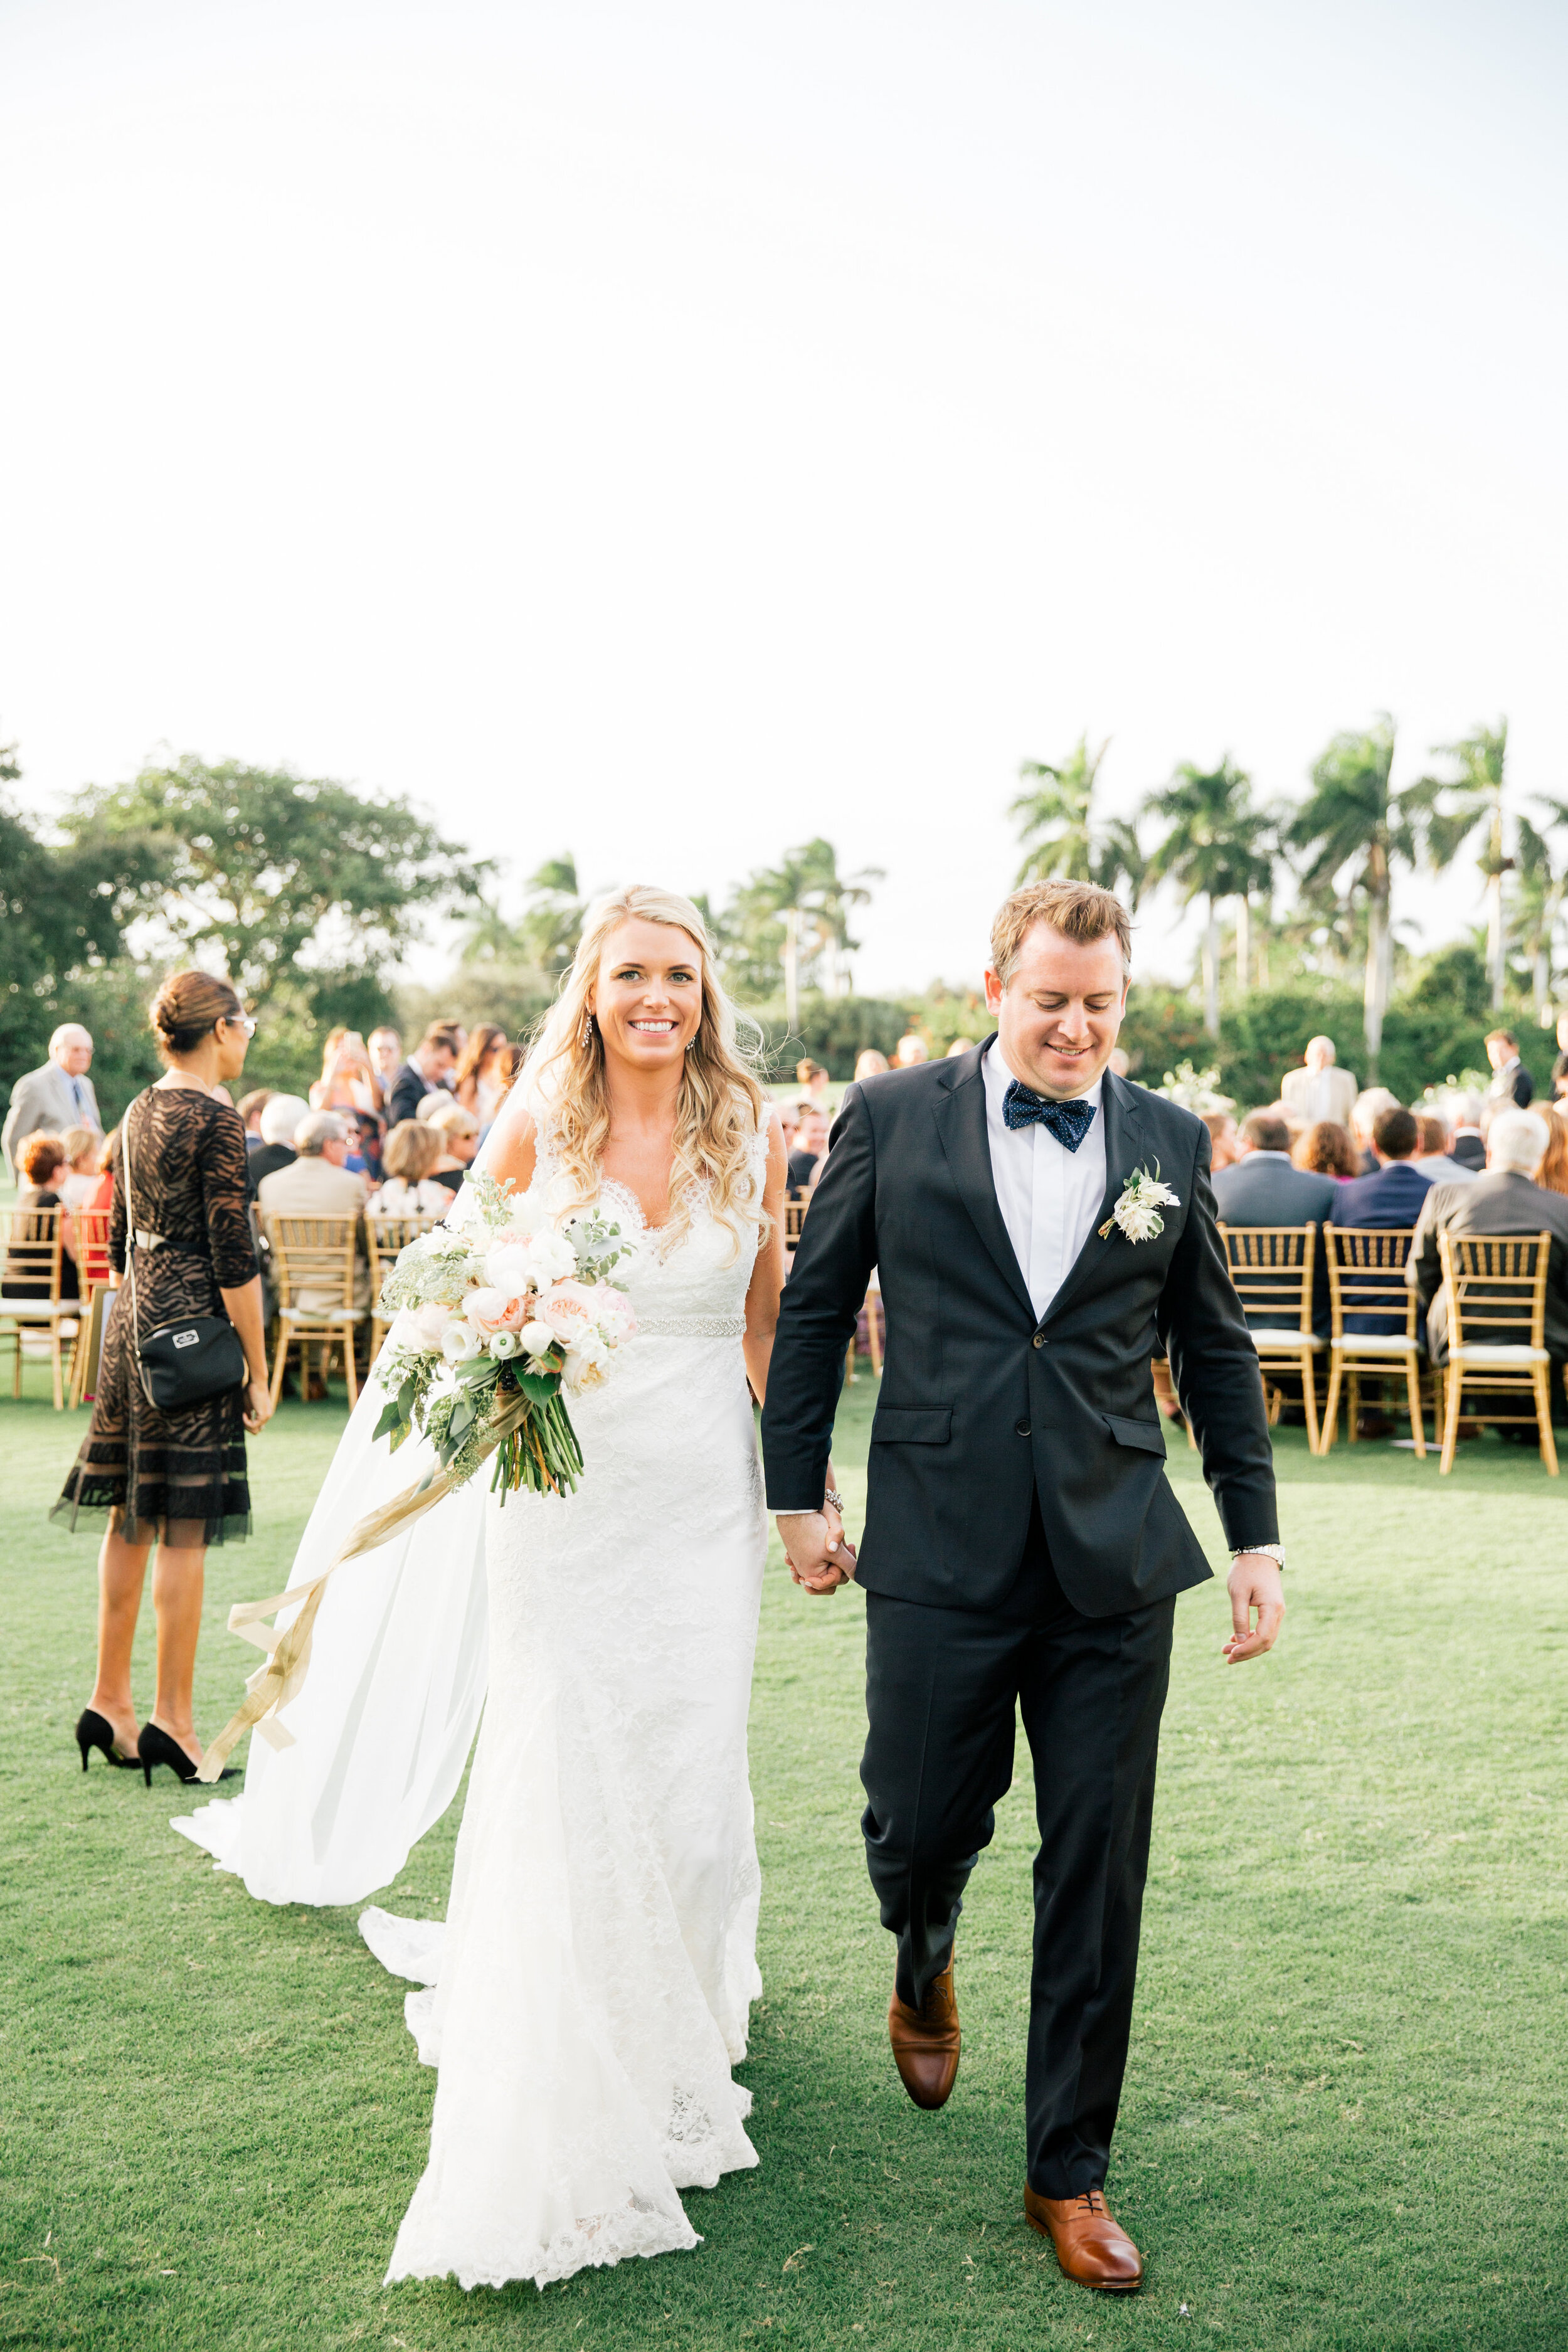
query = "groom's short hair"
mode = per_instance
[{"x": 1081, "y": 911}]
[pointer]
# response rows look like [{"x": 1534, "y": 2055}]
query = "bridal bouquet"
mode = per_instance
[{"x": 501, "y": 1323}]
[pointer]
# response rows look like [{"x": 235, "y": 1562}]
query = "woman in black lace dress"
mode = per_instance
[{"x": 176, "y": 1478}]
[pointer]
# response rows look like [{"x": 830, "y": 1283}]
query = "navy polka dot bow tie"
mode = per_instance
[{"x": 1069, "y": 1122}]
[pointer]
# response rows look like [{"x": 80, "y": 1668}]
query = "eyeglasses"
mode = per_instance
[{"x": 238, "y": 1021}]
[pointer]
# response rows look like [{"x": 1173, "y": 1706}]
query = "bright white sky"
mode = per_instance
[{"x": 666, "y": 432}]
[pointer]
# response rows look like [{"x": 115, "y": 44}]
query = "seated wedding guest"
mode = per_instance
[
  {"x": 1432, "y": 1159},
  {"x": 481, "y": 1077},
  {"x": 810, "y": 1153},
  {"x": 1467, "y": 1136},
  {"x": 789, "y": 1121},
  {"x": 1319, "y": 1090},
  {"x": 55, "y": 1095},
  {"x": 1552, "y": 1173},
  {"x": 317, "y": 1184},
  {"x": 911, "y": 1051},
  {"x": 1560, "y": 1066},
  {"x": 870, "y": 1063},
  {"x": 814, "y": 1085},
  {"x": 1509, "y": 1199},
  {"x": 430, "y": 1067},
  {"x": 1262, "y": 1188},
  {"x": 174, "y": 1475},
  {"x": 409, "y": 1188},
  {"x": 457, "y": 1131},
  {"x": 1511, "y": 1082},
  {"x": 364, "y": 1146},
  {"x": 1363, "y": 1118},
  {"x": 1221, "y": 1125},
  {"x": 1394, "y": 1195},
  {"x": 280, "y": 1116},
  {"x": 348, "y": 1082},
  {"x": 93, "y": 1262},
  {"x": 40, "y": 1160},
  {"x": 1326, "y": 1150},
  {"x": 250, "y": 1108},
  {"x": 79, "y": 1179}
]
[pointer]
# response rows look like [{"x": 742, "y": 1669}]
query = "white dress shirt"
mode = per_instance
[{"x": 1050, "y": 1197}]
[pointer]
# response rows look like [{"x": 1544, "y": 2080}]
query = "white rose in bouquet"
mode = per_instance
[
  {"x": 460, "y": 1343},
  {"x": 508, "y": 1270},
  {"x": 536, "y": 1339},
  {"x": 588, "y": 1360},
  {"x": 427, "y": 1327},
  {"x": 551, "y": 1258}
]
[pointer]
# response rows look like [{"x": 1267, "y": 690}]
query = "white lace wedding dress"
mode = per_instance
[{"x": 588, "y": 1994}]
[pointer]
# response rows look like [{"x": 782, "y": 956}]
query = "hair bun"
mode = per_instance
[{"x": 186, "y": 1007}]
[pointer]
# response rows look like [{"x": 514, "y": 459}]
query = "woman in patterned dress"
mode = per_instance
[{"x": 176, "y": 1479}]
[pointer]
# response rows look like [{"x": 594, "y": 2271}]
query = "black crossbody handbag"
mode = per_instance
[{"x": 180, "y": 1363}]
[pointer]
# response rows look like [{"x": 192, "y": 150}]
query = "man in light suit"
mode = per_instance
[
  {"x": 1506, "y": 1200},
  {"x": 317, "y": 1184},
  {"x": 1320, "y": 1090},
  {"x": 56, "y": 1096}
]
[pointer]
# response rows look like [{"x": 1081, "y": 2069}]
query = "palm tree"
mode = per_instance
[
  {"x": 1538, "y": 900},
  {"x": 1469, "y": 804},
  {"x": 796, "y": 914},
  {"x": 1354, "y": 825},
  {"x": 1216, "y": 847},
  {"x": 1057, "y": 829}
]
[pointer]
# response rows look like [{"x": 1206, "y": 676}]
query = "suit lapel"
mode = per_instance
[
  {"x": 1123, "y": 1153},
  {"x": 961, "y": 1124}
]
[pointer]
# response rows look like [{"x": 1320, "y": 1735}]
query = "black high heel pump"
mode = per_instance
[
  {"x": 154, "y": 1746},
  {"x": 92, "y": 1731}
]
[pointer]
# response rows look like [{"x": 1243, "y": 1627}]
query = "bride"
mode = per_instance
[{"x": 589, "y": 1993}]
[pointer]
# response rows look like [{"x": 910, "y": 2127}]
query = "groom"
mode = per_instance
[{"x": 1021, "y": 1544}]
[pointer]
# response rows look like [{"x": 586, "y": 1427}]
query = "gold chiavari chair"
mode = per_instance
[
  {"x": 1272, "y": 1266},
  {"x": 1496, "y": 1285},
  {"x": 313, "y": 1267},
  {"x": 33, "y": 1242},
  {"x": 385, "y": 1237},
  {"x": 96, "y": 1290},
  {"x": 1366, "y": 1278},
  {"x": 795, "y": 1221}
]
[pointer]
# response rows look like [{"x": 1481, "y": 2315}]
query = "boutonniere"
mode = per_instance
[{"x": 1138, "y": 1210}]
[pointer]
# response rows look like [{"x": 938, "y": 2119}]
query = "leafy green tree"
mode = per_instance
[
  {"x": 1060, "y": 833},
  {"x": 1467, "y": 805},
  {"x": 793, "y": 919},
  {"x": 1538, "y": 899},
  {"x": 1352, "y": 830},
  {"x": 1216, "y": 847},
  {"x": 279, "y": 876}
]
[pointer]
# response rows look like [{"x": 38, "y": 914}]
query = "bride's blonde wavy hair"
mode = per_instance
[{"x": 721, "y": 1107}]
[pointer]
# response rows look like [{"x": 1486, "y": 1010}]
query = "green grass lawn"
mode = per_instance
[{"x": 1344, "y": 2116}]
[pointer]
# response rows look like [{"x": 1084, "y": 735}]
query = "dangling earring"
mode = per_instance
[
  {"x": 588, "y": 1037},
  {"x": 692, "y": 1043}
]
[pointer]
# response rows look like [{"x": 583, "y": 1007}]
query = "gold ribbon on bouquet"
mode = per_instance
[{"x": 272, "y": 1685}]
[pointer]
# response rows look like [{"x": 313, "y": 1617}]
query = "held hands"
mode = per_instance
[
  {"x": 1255, "y": 1584},
  {"x": 820, "y": 1555}
]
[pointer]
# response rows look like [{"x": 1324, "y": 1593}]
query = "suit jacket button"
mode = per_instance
[
  {"x": 1023, "y": 1429},
  {"x": 1039, "y": 1338}
]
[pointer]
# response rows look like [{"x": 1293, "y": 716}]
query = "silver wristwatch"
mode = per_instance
[{"x": 1275, "y": 1552}]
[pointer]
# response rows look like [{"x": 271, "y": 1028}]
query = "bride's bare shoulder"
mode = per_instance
[{"x": 512, "y": 1150}]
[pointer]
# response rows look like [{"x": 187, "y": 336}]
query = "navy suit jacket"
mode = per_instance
[{"x": 1395, "y": 1196}]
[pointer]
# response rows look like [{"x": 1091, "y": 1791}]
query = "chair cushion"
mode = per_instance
[
  {"x": 38, "y": 1310},
  {"x": 324, "y": 1315},
  {"x": 1296, "y": 1340},
  {"x": 1372, "y": 1343},
  {"x": 1501, "y": 1356}
]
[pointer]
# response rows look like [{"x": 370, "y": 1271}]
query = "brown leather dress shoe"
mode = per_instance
[
  {"x": 926, "y": 2041},
  {"x": 1090, "y": 2246}
]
